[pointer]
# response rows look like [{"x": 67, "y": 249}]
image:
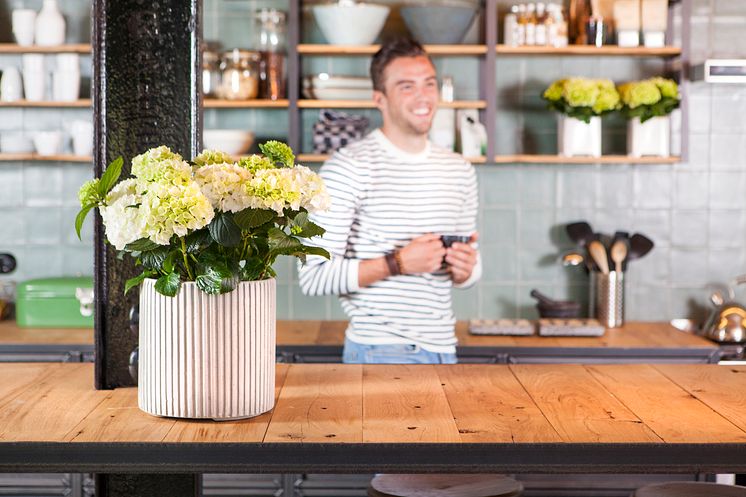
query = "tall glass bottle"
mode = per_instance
[{"x": 271, "y": 42}]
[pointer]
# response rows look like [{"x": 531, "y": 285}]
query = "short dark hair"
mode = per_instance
[{"x": 389, "y": 51}]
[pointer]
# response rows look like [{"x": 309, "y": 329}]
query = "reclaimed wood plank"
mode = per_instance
[
  {"x": 578, "y": 407},
  {"x": 250, "y": 430},
  {"x": 17, "y": 378},
  {"x": 670, "y": 411},
  {"x": 51, "y": 407},
  {"x": 298, "y": 332},
  {"x": 490, "y": 405},
  {"x": 319, "y": 403},
  {"x": 406, "y": 404},
  {"x": 718, "y": 386},
  {"x": 12, "y": 334}
]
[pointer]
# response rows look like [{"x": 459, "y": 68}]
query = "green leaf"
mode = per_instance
[
  {"x": 197, "y": 240},
  {"x": 311, "y": 229},
  {"x": 141, "y": 245},
  {"x": 133, "y": 282},
  {"x": 210, "y": 281},
  {"x": 282, "y": 243},
  {"x": 154, "y": 259},
  {"x": 251, "y": 218},
  {"x": 169, "y": 262},
  {"x": 252, "y": 269},
  {"x": 110, "y": 176},
  {"x": 311, "y": 250},
  {"x": 168, "y": 284},
  {"x": 224, "y": 230},
  {"x": 80, "y": 218}
]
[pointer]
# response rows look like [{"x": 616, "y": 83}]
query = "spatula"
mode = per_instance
[
  {"x": 619, "y": 252},
  {"x": 598, "y": 253},
  {"x": 639, "y": 246},
  {"x": 580, "y": 232}
]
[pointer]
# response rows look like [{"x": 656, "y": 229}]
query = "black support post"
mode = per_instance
[{"x": 146, "y": 59}]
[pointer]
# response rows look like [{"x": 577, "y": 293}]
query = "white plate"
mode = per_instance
[
  {"x": 342, "y": 94},
  {"x": 350, "y": 82}
]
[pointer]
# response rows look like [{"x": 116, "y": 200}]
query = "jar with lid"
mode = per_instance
[
  {"x": 240, "y": 74},
  {"x": 271, "y": 43},
  {"x": 210, "y": 73}
]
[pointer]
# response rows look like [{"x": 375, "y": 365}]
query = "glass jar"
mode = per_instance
[
  {"x": 240, "y": 74},
  {"x": 210, "y": 73},
  {"x": 271, "y": 42}
]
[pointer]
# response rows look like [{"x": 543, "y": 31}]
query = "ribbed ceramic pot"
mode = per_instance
[{"x": 207, "y": 356}]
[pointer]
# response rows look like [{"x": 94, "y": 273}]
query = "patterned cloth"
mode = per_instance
[{"x": 335, "y": 130}]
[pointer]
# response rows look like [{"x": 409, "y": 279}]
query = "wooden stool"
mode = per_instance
[
  {"x": 443, "y": 486},
  {"x": 690, "y": 489}
]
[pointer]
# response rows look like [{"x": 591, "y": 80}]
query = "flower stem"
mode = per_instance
[{"x": 186, "y": 261}]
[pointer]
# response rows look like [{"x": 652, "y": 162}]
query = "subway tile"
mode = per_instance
[
  {"x": 284, "y": 304},
  {"x": 498, "y": 185},
  {"x": 499, "y": 226},
  {"x": 728, "y": 113},
  {"x": 688, "y": 266},
  {"x": 308, "y": 307},
  {"x": 539, "y": 267},
  {"x": 66, "y": 227},
  {"x": 699, "y": 154},
  {"x": 39, "y": 262},
  {"x": 509, "y": 73},
  {"x": 614, "y": 188},
  {"x": 724, "y": 264},
  {"x": 728, "y": 190},
  {"x": 77, "y": 260},
  {"x": 647, "y": 303},
  {"x": 73, "y": 177},
  {"x": 337, "y": 313},
  {"x": 690, "y": 303},
  {"x": 727, "y": 152},
  {"x": 727, "y": 227},
  {"x": 498, "y": 301},
  {"x": 652, "y": 188},
  {"x": 535, "y": 227},
  {"x": 12, "y": 226},
  {"x": 42, "y": 225},
  {"x": 690, "y": 190},
  {"x": 655, "y": 224},
  {"x": 654, "y": 268},
  {"x": 577, "y": 188},
  {"x": 499, "y": 263},
  {"x": 699, "y": 113},
  {"x": 690, "y": 228},
  {"x": 466, "y": 303},
  {"x": 537, "y": 187},
  {"x": 11, "y": 177},
  {"x": 286, "y": 269},
  {"x": 12, "y": 118},
  {"x": 610, "y": 220},
  {"x": 42, "y": 184}
]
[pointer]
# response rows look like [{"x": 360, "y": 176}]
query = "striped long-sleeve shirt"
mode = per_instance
[{"x": 382, "y": 198}]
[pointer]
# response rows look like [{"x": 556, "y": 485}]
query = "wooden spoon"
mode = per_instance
[
  {"x": 598, "y": 253},
  {"x": 618, "y": 254}
]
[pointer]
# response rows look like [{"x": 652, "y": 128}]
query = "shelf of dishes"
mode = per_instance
[
  {"x": 81, "y": 103},
  {"x": 589, "y": 50},
  {"x": 368, "y": 104},
  {"x": 316, "y": 158},
  {"x": 326, "y": 49},
  {"x": 604, "y": 159},
  {"x": 48, "y": 158},
  {"x": 14, "y": 48},
  {"x": 216, "y": 103}
]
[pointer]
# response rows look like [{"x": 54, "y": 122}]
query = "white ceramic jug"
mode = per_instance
[
  {"x": 50, "y": 25},
  {"x": 11, "y": 88}
]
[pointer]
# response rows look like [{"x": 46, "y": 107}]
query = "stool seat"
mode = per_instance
[
  {"x": 437, "y": 485},
  {"x": 690, "y": 489}
]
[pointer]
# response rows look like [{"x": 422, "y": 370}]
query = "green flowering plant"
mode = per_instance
[
  {"x": 582, "y": 98},
  {"x": 649, "y": 98},
  {"x": 214, "y": 221}
]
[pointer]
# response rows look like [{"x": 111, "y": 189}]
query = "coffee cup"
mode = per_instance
[
  {"x": 23, "y": 21},
  {"x": 11, "y": 86},
  {"x": 448, "y": 240},
  {"x": 82, "y": 136},
  {"x": 48, "y": 142}
]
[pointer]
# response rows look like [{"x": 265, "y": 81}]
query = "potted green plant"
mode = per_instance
[
  {"x": 648, "y": 105},
  {"x": 205, "y": 235},
  {"x": 580, "y": 103}
]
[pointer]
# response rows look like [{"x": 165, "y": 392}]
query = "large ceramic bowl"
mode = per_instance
[
  {"x": 230, "y": 141},
  {"x": 346, "y": 23},
  {"x": 438, "y": 23}
]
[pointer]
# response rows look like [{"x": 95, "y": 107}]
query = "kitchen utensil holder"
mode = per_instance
[{"x": 607, "y": 298}]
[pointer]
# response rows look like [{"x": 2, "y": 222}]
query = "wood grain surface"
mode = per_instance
[{"x": 338, "y": 404}]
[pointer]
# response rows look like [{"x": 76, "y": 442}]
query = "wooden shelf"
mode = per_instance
[
  {"x": 367, "y": 104},
  {"x": 324, "y": 49},
  {"x": 590, "y": 50},
  {"x": 214, "y": 103},
  {"x": 606, "y": 159},
  {"x": 82, "y": 103},
  {"x": 81, "y": 48},
  {"x": 310, "y": 158},
  {"x": 45, "y": 158}
]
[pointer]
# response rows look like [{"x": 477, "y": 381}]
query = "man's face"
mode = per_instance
[{"x": 410, "y": 99}]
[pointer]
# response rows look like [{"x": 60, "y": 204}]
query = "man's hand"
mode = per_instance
[
  {"x": 461, "y": 259},
  {"x": 423, "y": 254}
]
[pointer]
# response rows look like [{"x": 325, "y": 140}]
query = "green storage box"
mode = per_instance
[{"x": 55, "y": 303}]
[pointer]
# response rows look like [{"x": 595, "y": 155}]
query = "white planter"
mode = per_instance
[
  {"x": 651, "y": 138},
  {"x": 577, "y": 138},
  {"x": 207, "y": 356}
]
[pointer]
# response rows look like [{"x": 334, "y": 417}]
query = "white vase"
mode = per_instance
[
  {"x": 50, "y": 25},
  {"x": 577, "y": 138},
  {"x": 651, "y": 138},
  {"x": 207, "y": 356}
]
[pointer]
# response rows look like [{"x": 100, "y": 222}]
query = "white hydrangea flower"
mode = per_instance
[
  {"x": 174, "y": 210},
  {"x": 294, "y": 188},
  {"x": 121, "y": 215},
  {"x": 224, "y": 185}
]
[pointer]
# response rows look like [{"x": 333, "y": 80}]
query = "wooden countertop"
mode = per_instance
[
  {"x": 309, "y": 333},
  {"x": 617, "y": 418}
]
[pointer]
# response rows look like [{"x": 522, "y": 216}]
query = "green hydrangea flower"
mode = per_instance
[
  {"x": 640, "y": 93},
  {"x": 88, "y": 193},
  {"x": 208, "y": 157},
  {"x": 278, "y": 152},
  {"x": 256, "y": 163},
  {"x": 554, "y": 92},
  {"x": 667, "y": 87},
  {"x": 608, "y": 100},
  {"x": 580, "y": 92},
  {"x": 161, "y": 165}
]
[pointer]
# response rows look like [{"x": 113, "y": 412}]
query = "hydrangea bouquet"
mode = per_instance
[
  {"x": 649, "y": 98},
  {"x": 214, "y": 221},
  {"x": 582, "y": 98}
]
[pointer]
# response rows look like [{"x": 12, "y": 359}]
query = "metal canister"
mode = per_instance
[
  {"x": 240, "y": 74},
  {"x": 211, "y": 75},
  {"x": 607, "y": 298}
]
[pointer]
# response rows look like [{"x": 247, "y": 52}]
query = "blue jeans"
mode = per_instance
[{"x": 360, "y": 353}]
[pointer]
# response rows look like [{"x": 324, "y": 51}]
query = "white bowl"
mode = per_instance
[
  {"x": 350, "y": 24},
  {"x": 230, "y": 141}
]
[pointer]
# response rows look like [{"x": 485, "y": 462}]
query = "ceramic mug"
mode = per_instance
[
  {"x": 48, "y": 142},
  {"x": 34, "y": 77},
  {"x": 82, "y": 135},
  {"x": 23, "y": 21},
  {"x": 11, "y": 86},
  {"x": 65, "y": 86}
]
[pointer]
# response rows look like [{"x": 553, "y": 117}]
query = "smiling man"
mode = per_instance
[{"x": 393, "y": 195}]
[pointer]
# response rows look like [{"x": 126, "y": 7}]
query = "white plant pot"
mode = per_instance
[
  {"x": 577, "y": 138},
  {"x": 651, "y": 138},
  {"x": 207, "y": 356}
]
